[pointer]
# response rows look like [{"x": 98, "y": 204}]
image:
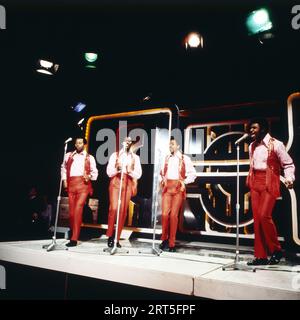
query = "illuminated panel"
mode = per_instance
[
  {"x": 126, "y": 115},
  {"x": 216, "y": 168},
  {"x": 147, "y": 191}
]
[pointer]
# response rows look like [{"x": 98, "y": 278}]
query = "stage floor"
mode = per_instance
[{"x": 195, "y": 270}]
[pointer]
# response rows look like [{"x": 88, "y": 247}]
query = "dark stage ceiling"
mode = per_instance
[{"x": 141, "y": 52}]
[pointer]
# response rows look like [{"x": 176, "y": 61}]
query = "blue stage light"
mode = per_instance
[{"x": 79, "y": 107}]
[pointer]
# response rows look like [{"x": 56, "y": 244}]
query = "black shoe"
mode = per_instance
[
  {"x": 118, "y": 245},
  {"x": 172, "y": 249},
  {"x": 258, "y": 262},
  {"x": 71, "y": 243},
  {"x": 276, "y": 257},
  {"x": 163, "y": 245},
  {"x": 110, "y": 242}
]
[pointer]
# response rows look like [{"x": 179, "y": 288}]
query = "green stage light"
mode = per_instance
[
  {"x": 90, "y": 57},
  {"x": 258, "y": 21}
]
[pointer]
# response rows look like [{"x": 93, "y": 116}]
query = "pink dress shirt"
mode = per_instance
[
  {"x": 125, "y": 159},
  {"x": 77, "y": 168},
  {"x": 173, "y": 168},
  {"x": 260, "y": 156}
]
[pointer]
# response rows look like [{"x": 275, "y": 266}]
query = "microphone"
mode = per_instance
[
  {"x": 242, "y": 138},
  {"x": 68, "y": 140}
]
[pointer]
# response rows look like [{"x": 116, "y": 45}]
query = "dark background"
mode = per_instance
[{"x": 141, "y": 52}]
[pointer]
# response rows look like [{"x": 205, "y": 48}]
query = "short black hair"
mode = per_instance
[
  {"x": 263, "y": 124},
  {"x": 80, "y": 137}
]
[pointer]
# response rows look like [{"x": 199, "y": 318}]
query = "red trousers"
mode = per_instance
[
  {"x": 263, "y": 203},
  {"x": 78, "y": 191},
  {"x": 126, "y": 193},
  {"x": 172, "y": 200}
]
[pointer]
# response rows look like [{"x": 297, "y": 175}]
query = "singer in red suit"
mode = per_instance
[
  {"x": 267, "y": 157},
  {"x": 176, "y": 172},
  {"x": 77, "y": 171},
  {"x": 129, "y": 162}
]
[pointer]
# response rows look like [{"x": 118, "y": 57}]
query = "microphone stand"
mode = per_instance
[
  {"x": 115, "y": 249},
  {"x": 53, "y": 245},
  {"x": 237, "y": 265},
  {"x": 153, "y": 249}
]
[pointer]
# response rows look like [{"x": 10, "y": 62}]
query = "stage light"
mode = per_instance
[
  {"x": 91, "y": 58},
  {"x": 80, "y": 123},
  {"x": 47, "y": 67},
  {"x": 148, "y": 97},
  {"x": 193, "y": 40},
  {"x": 79, "y": 107},
  {"x": 258, "y": 21}
]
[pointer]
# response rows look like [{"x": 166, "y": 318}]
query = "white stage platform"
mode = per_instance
[{"x": 195, "y": 273}]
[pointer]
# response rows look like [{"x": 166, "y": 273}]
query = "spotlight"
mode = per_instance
[
  {"x": 80, "y": 123},
  {"x": 91, "y": 58},
  {"x": 47, "y": 67},
  {"x": 79, "y": 107},
  {"x": 148, "y": 97},
  {"x": 258, "y": 21},
  {"x": 193, "y": 40}
]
